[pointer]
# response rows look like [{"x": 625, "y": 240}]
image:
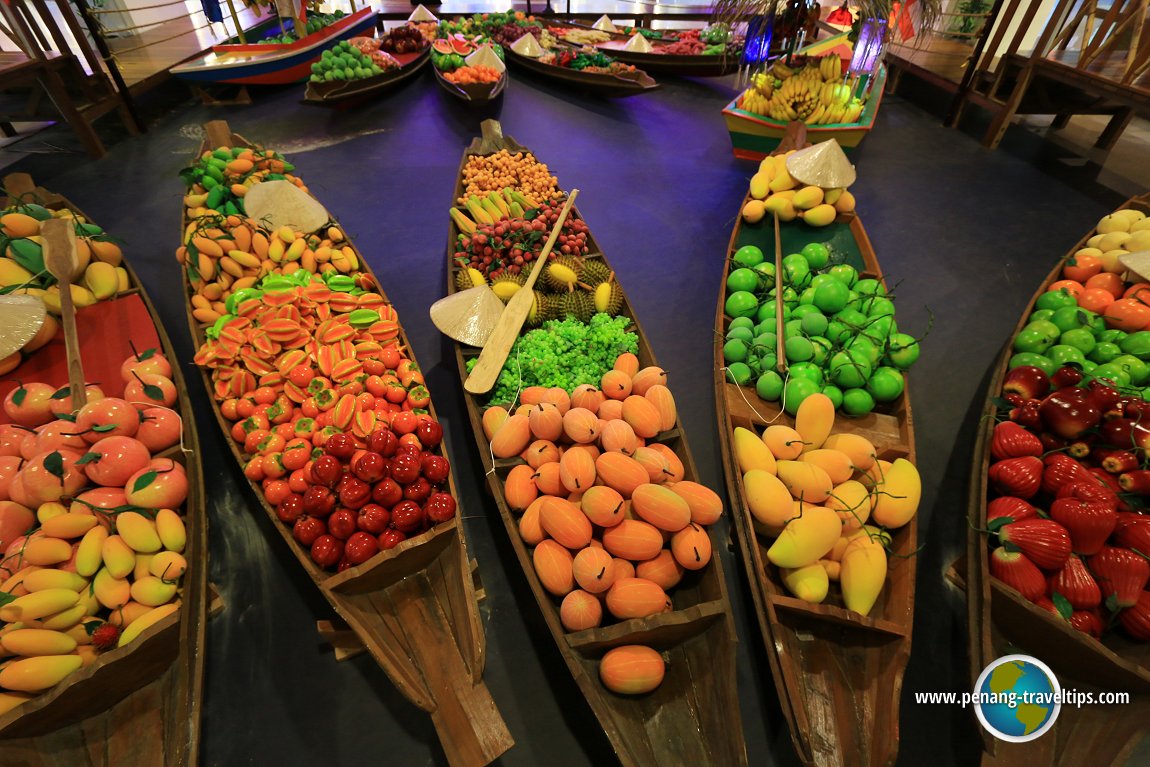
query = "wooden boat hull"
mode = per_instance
[
  {"x": 346, "y": 93},
  {"x": 272, "y": 63},
  {"x": 472, "y": 94},
  {"x": 839, "y": 674},
  {"x": 141, "y": 703},
  {"x": 692, "y": 718},
  {"x": 413, "y": 607},
  {"x": 754, "y": 136},
  {"x": 1000, "y": 618},
  {"x": 672, "y": 64},
  {"x": 614, "y": 86}
]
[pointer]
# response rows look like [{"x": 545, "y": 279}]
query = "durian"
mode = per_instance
[
  {"x": 608, "y": 297},
  {"x": 561, "y": 274},
  {"x": 505, "y": 285},
  {"x": 469, "y": 277},
  {"x": 594, "y": 271},
  {"x": 540, "y": 310},
  {"x": 577, "y": 304}
]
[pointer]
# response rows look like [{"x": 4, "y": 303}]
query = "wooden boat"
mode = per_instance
[
  {"x": 1000, "y": 618},
  {"x": 346, "y": 93},
  {"x": 839, "y": 674},
  {"x": 272, "y": 63},
  {"x": 597, "y": 83},
  {"x": 139, "y": 705},
  {"x": 413, "y": 607},
  {"x": 692, "y": 718},
  {"x": 754, "y": 136},
  {"x": 473, "y": 94},
  {"x": 682, "y": 65}
]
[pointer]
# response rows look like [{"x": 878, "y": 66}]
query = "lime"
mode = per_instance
[
  {"x": 869, "y": 287},
  {"x": 1114, "y": 336},
  {"x": 797, "y": 390},
  {"x": 1114, "y": 372},
  {"x": 857, "y": 402},
  {"x": 849, "y": 369},
  {"x": 765, "y": 341},
  {"x": 837, "y": 333},
  {"x": 1070, "y": 317},
  {"x": 807, "y": 370},
  {"x": 1055, "y": 299},
  {"x": 903, "y": 350},
  {"x": 817, "y": 254},
  {"x": 821, "y": 279},
  {"x": 748, "y": 255},
  {"x": 1041, "y": 314},
  {"x": 770, "y": 386},
  {"x": 844, "y": 273},
  {"x": 834, "y": 394},
  {"x": 879, "y": 307},
  {"x": 802, "y": 310},
  {"x": 886, "y": 384},
  {"x": 739, "y": 373},
  {"x": 1038, "y": 361},
  {"x": 807, "y": 296},
  {"x": 879, "y": 328},
  {"x": 852, "y": 318},
  {"x": 867, "y": 348},
  {"x": 1137, "y": 344},
  {"x": 831, "y": 297},
  {"x": 796, "y": 270},
  {"x": 743, "y": 279},
  {"x": 823, "y": 348},
  {"x": 741, "y": 322},
  {"x": 799, "y": 349},
  {"x": 814, "y": 323},
  {"x": 735, "y": 351},
  {"x": 1046, "y": 327},
  {"x": 742, "y": 303},
  {"x": 792, "y": 328},
  {"x": 1063, "y": 354},
  {"x": 1139, "y": 371},
  {"x": 741, "y": 333},
  {"x": 766, "y": 271}
]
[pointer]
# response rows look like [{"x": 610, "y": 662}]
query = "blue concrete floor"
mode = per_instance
[{"x": 966, "y": 232}]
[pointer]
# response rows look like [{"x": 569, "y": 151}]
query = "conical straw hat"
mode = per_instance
[
  {"x": 421, "y": 14},
  {"x": 637, "y": 44},
  {"x": 527, "y": 46},
  {"x": 20, "y": 320},
  {"x": 1137, "y": 262},
  {"x": 604, "y": 24},
  {"x": 282, "y": 203},
  {"x": 468, "y": 316},
  {"x": 823, "y": 164}
]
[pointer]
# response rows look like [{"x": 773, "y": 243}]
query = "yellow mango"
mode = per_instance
[
  {"x": 87, "y": 655},
  {"x": 152, "y": 591},
  {"x": 831, "y": 196},
  {"x": 90, "y": 555},
  {"x": 805, "y": 481},
  {"x": 11, "y": 273},
  {"x": 833, "y": 569},
  {"x": 171, "y": 530},
  {"x": 767, "y": 497},
  {"x": 66, "y": 619},
  {"x": 751, "y": 453},
  {"x": 754, "y": 211},
  {"x": 782, "y": 180},
  {"x": 119, "y": 559},
  {"x": 767, "y": 167},
  {"x": 863, "y": 574},
  {"x": 111, "y": 591},
  {"x": 808, "y": 197},
  {"x": 129, "y": 613},
  {"x": 38, "y": 604},
  {"x": 808, "y": 583},
  {"x": 38, "y": 673},
  {"x": 852, "y": 502},
  {"x": 785, "y": 443},
  {"x": 814, "y": 420},
  {"x": 143, "y": 566},
  {"x": 760, "y": 186},
  {"x": 822, "y": 215},
  {"x": 896, "y": 500},
  {"x": 138, "y": 532},
  {"x": 66, "y": 525},
  {"x": 875, "y": 474},
  {"x": 146, "y": 621},
  {"x": 806, "y": 540},
  {"x": 47, "y": 551},
  {"x": 168, "y": 565},
  {"x": 101, "y": 279},
  {"x": 122, "y": 281},
  {"x": 845, "y": 203},
  {"x": 10, "y": 700},
  {"x": 1110, "y": 260},
  {"x": 54, "y": 579},
  {"x": 858, "y": 448},
  {"x": 37, "y": 642},
  {"x": 837, "y": 465}
]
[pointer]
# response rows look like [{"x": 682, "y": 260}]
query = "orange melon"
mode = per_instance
[
  {"x": 565, "y": 522},
  {"x": 512, "y": 438},
  {"x": 591, "y": 450},
  {"x": 611, "y": 410},
  {"x": 525, "y": 409},
  {"x": 549, "y": 479},
  {"x": 643, "y": 416},
  {"x": 581, "y": 425},
  {"x": 663, "y": 570},
  {"x": 530, "y": 526},
  {"x": 674, "y": 465},
  {"x": 587, "y": 397},
  {"x": 627, "y": 363},
  {"x": 580, "y": 611},
  {"x": 646, "y": 378},
  {"x": 519, "y": 488},
  {"x": 633, "y": 539},
  {"x": 636, "y": 598},
  {"x": 558, "y": 397},
  {"x": 621, "y": 472},
  {"x": 593, "y": 570},
  {"x": 532, "y": 395},
  {"x": 654, "y": 463},
  {"x": 660, "y": 507},
  {"x": 493, "y": 418},
  {"x": 618, "y": 436},
  {"x": 603, "y": 506},
  {"x": 691, "y": 547},
  {"x": 706, "y": 505},
  {"x": 660, "y": 396},
  {"x": 546, "y": 421},
  {"x": 540, "y": 452},
  {"x": 616, "y": 384},
  {"x": 632, "y": 669},
  {"x": 553, "y": 566},
  {"x": 577, "y": 470},
  {"x": 623, "y": 569},
  {"x": 576, "y": 497}
]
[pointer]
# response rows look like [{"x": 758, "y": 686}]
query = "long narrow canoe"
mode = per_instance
[
  {"x": 346, "y": 93},
  {"x": 472, "y": 94},
  {"x": 598, "y": 83},
  {"x": 839, "y": 674},
  {"x": 655, "y": 60},
  {"x": 138, "y": 705},
  {"x": 1001, "y": 621},
  {"x": 412, "y": 606},
  {"x": 692, "y": 718}
]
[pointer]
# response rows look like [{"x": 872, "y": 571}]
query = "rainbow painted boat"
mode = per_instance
[{"x": 272, "y": 63}]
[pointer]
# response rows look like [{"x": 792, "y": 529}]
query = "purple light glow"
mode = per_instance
[{"x": 868, "y": 49}]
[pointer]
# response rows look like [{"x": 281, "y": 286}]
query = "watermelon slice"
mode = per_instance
[
  {"x": 443, "y": 46},
  {"x": 462, "y": 47}
]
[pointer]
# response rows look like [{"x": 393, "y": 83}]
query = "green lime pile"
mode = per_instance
[
  {"x": 1060, "y": 332},
  {"x": 343, "y": 62},
  {"x": 564, "y": 353},
  {"x": 839, "y": 333}
]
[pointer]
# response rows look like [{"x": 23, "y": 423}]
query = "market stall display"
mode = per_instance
[
  {"x": 355, "y": 70},
  {"x": 469, "y": 68},
  {"x": 103, "y": 579},
  {"x": 592, "y": 475},
  {"x": 313, "y": 381},
  {"x": 710, "y": 52},
  {"x": 273, "y": 63},
  {"x": 824, "y": 502},
  {"x": 1055, "y": 559}
]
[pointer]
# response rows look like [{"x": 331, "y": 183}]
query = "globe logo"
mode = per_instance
[{"x": 1017, "y": 698}]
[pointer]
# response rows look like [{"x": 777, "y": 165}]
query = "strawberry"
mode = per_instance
[
  {"x": 1019, "y": 477},
  {"x": 1061, "y": 470},
  {"x": 1121, "y": 574},
  {"x": 105, "y": 636},
  {"x": 1015, "y": 570},
  {"x": 1136, "y": 618},
  {"x": 1090, "y": 520},
  {"x": 1012, "y": 441},
  {"x": 1088, "y": 622},
  {"x": 1075, "y": 583},
  {"x": 1133, "y": 531},
  {"x": 1009, "y": 506},
  {"x": 1044, "y": 541}
]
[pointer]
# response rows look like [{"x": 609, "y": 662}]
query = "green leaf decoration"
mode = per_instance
[
  {"x": 54, "y": 463},
  {"x": 62, "y": 393},
  {"x": 1112, "y": 603},
  {"x": 5, "y": 598},
  {"x": 104, "y": 428},
  {"x": 151, "y": 391},
  {"x": 87, "y": 458},
  {"x": 147, "y": 354},
  {"x": 91, "y": 626},
  {"x": 1062, "y": 604},
  {"x": 145, "y": 479},
  {"x": 19, "y": 395},
  {"x": 998, "y": 523}
]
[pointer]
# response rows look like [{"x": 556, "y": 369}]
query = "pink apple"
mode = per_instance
[
  {"x": 140, "y": 389},
  {"x": 95, "y": 418},
  {"x": 146, "y": 362},
  {"x": 61, "y": 400},
  {"x": 42, "y": 485},
  {"x": 116, "y": 459},
  {"x": 160, "y": 485},
  {"x": 160, "y": 428},
  {"x": 9, "y": 466},
  {"x": 15, "y": 520},
  {"x": 28, "y": 404},
  {"x": 91, "y": 501},
  {"x": 11, "y": 437},
  {"x": 57, "y": 434}
]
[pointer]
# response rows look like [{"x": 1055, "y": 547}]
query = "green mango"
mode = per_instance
[{"x": 28, "y": 254}]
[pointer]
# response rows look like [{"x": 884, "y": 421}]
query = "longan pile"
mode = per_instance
[{"x": 520, "y": 171}]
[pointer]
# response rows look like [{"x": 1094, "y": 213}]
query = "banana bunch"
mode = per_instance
[
  {"x": 491, "y": 208},
  {"x": 830, "y": 67},
  {"x": 764, "y": 84},
  {"x": 816, "y": 94}
]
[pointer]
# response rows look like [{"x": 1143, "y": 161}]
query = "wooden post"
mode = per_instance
[{"x": 236, "y": 21}]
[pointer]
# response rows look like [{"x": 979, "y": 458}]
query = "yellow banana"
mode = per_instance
[
  {"x": 37, "y": 605},
  {"x": 37, "y": 642},
  {"x": 38, "y": 673},
  {"x": 146, "y": 621}
]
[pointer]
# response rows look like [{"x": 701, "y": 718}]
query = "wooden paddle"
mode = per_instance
[
  {"x": 502, "y": 338},
  {"x": 780, "y": 349},
  {"x": 60, "y": 257}
]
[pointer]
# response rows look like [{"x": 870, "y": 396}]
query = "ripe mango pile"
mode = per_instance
[
  {"x": 604, "y": 504},
  {"x": 828, "y": 502},
  {"x": 774, "y": 191}
]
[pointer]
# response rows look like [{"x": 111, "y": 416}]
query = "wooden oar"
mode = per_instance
[
  {"x": 502, "y": 338},
  {"x": 60, "y": 258},
  {"x": 780, "y": 348}
]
